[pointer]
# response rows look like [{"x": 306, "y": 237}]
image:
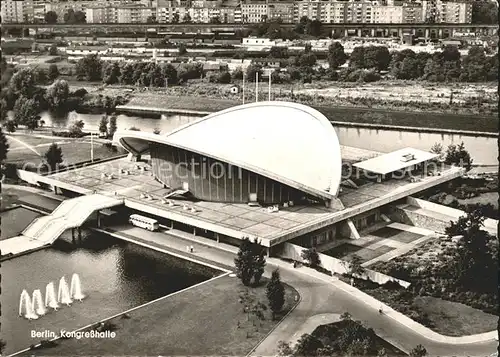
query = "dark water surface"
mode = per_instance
[
  {"x": 482, "y": 149},
  {"x": 115, "y": 276}
]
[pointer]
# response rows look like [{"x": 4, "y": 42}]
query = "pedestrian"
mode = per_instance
[{"x": 192, "y": 249}]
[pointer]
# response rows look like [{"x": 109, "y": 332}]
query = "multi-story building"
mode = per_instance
[
  {"x": 281, "y": 10},
  {"x": 12, "y": 11},
  {"x": 333, "y": 12},
  {"x": 412, "y": 13},
  {"x": 228, "y": 14},
  {"x": 254, "y": 12},
  {"x": 387, "y": 14},
  {"x": 359, "y": 12},
  {"x": 454, "y": 12},
  {"x": 307, "y": 8},
  {"x": 101, "y": 14},
  {"x": 134, "y": 14},
  {"x": 61, "y": 8}
]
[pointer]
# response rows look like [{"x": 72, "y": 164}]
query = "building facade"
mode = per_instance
[{"x": 12, "y": 11}]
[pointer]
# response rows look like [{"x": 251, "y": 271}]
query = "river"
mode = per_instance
[{"x": 484, "y": 150}]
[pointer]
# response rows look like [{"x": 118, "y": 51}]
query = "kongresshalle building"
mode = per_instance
[{"x": 274, "y": 171}]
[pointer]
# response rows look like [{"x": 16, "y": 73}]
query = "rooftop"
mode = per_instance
[
  {"x": 142, "y": 192},
  {"x": 396, "y": 160}
]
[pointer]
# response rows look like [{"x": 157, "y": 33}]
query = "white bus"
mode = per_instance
[{"x": 144, "y": 222}]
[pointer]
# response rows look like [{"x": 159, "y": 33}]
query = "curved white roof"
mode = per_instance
[{"x": 291, "y": 143}]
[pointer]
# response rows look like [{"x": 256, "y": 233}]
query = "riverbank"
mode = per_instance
[{"x": 159, "y": 101}]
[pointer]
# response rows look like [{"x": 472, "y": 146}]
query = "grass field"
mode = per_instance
[
  {"x": 207, "y": 320},
  {"x": 455, "y": 319},
  {"x": 25, "y": 149}
]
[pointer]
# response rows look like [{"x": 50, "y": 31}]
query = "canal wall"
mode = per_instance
[{"x": 143, "y": 110}]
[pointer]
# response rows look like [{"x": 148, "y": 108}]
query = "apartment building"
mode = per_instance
[
  {"x": 101, "y": 14},
  {"x": 12, "y": 11},
  {"x": 412, "y": 13},
  {"x": 310, "y": 9},
  {"x": 359, "y": 12},
  {"x": 135, "y": 14},
  {"x": 281, "y": 10},
  {"x": 333, "y": 12},
  {"x": 387, "y": 14},
  {"x": 254, "y": 11},
  {"x": 454, "y": 12}
]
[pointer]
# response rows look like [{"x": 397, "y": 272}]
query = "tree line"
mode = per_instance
[
  {"x": 23, "y": 95},
  {"x": 365, "y": 64}
]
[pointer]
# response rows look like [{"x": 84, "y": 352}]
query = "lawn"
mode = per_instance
[
  {"x": 205, "y": 320},
  {"x": 73, "y": 151},
  {"x": 396, "y": 234},
  {"x": 433, "y": 299}
]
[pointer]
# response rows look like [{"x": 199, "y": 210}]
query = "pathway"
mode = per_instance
[
  {"x": 321, "y": 294},
  {"x": 29, "y": 147}
]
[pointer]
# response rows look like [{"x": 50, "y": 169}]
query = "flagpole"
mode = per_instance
[
  {"x": 91, "y": 147},
  {"x": 243, "y": 88},
  {"x": 256, "y": 87},
  {"x": 269, "y": 87}
]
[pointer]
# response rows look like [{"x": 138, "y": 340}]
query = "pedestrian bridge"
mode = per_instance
[{"x": 45, "y": 230}]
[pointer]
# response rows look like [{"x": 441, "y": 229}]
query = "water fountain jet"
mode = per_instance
[
  {"x": 63, "y": 295},
  {"x": 76, "y": 288},
  {"x": 26, "y": 306},
  {"x": 50, "y": 296},
  {"x": 37, "y": 303}
]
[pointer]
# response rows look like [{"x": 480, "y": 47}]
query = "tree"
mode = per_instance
[
  {"x": 438, "y": 149},
  {"x": 40, "y": 76},
  {"x": 53, "y": 157},
  {"x": 112, "y": 126},
  {"x": 252, "y": 70},
  {"x": 418, "y": 351},
  {"x": 75, "y": 130},
  {"x": 75, "y": 17},
  {"x": 313, "y": 28},
  {"x": 89, "y": 68},
  {"x": 275, "y": 292},
  {"x": 26, "y": 112},
  {"x": 53, "y": 72},
  {"x": 53, "y": 50},
  {"x": 355, "y": 267},
  {"x": 10, "y": 126},
  {"x": 278, "y": 52},
  {"x": 284, "y": 349},
  {"x": 103, "y": 125},
  {"x": 250, "y": 261},
  {"x": 175, "y": 18},
  {"x": 170, "y": 74},
  {"x": 57, "y": 94},
  {"x": 4, "y": 147},
  {"x": 244, "y": 262},
  {"x": 336, "y": 55},
  {"x": 50, "y": 17},
  {"x": 111, "y": 73},
  {"x": 457, "y": 155},
  {"x": 187, "y": 18},
  {"x": 23, "y": 82},
  {"x": 307, "y": 345},
  {"x": 215, "y": 20},
  {"x": 312, "y": 256},
  {"x": 182, "y": 49},
  {"x": 2, "y": 346},
  {"x": 485, "y": 12}
]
